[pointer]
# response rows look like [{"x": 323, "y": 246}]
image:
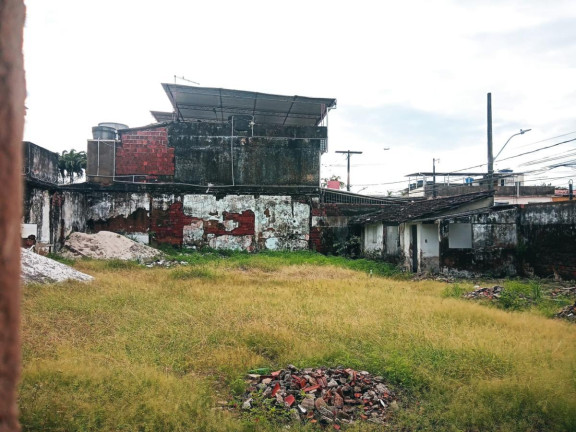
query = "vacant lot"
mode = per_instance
[{"x": 161, "y": 349}]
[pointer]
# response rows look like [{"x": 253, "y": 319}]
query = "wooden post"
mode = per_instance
[{"x": 12, "y": 111}]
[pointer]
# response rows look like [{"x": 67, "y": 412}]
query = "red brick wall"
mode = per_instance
[
  {"x": 168, "y": 225},
  {"x": 245, "y": 221},
  {"x": 145, "y": 152}
]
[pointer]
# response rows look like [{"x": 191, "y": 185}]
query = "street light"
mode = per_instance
[
  {"x": 522, "y": 132},
  {"x": 491, "y": 161}
]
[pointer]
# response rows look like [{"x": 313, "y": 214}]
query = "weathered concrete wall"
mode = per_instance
[
  {"x": 39, "y": 163},
  {"x": 56, "y": 213},
  {"x": 494, "y": 247},
  {"x": 208, "y": 153},
  {"x": 373, "y": 239},
  {"x": 329, "y": 225},
  {"x": 37, "y": 211},
  {"x": 211, "y": 153},
  {"x": 244, "y": 222},
  {"x": 548, "y": 239},
  {"x": 426, "y": 245}
]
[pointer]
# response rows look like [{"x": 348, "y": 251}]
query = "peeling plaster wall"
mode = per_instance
[
  {"x": 37, "y": 211},
  {"x": 73, "y": 214},
  {"x": 373, "y": 238},
  {"x": 245, "y": 222},
  {"x": 56, "y": 213}
]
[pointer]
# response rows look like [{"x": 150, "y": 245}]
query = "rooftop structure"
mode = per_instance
[{"x": 208, "y": 104}]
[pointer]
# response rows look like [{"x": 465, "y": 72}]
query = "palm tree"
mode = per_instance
[{"x": 72, "y": 164}]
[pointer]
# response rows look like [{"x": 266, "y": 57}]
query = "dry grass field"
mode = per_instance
[{"x": 160, "y": 349}]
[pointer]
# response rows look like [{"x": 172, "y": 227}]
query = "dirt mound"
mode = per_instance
[
  {"x": 39, "y": 269},
  {"x": 108, "y": 245}
]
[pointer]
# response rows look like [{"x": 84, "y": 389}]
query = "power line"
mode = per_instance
[
  {"x": 537, "y": 150},
  {"x": 547, "y": 139}
]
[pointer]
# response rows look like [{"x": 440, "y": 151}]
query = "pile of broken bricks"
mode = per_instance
[
  {"x": 326, "y": 396},
  {"x": 489, "y": 292},
  {"x": 568, "y": 312}
]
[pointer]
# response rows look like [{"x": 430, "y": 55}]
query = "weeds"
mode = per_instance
[
  {"x": 157, "y": 349},
  {"x": 453, "y": 291}
]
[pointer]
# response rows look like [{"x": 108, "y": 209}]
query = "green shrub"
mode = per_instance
[{"x": 453, "y": 291}]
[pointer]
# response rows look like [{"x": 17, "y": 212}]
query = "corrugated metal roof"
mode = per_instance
[
  {"x": 193, "y": 103},
  {"x": 163, "y": 116},
  {"x": 419, "y": 209}
]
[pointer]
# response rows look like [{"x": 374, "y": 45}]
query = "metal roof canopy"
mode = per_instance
[
  {"x": 193, "y": 103},
  {"x": 163, "y": 116}
]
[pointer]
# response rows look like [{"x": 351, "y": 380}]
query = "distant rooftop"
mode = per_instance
[
  {"x": 208, "y": 104},
  {"x": 440, "y": 174},
  {"x": 461, "y": 174}
]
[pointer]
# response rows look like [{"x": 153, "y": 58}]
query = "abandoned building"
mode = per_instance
[
  {"x": 465, "y": 235},
  {"x": 226, "y": 169},
  {"x": 241, "y": 170}
]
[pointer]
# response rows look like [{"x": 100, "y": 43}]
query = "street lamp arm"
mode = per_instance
[{"x": 522, "y": 132}]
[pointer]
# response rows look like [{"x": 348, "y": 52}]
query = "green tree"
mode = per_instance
[{"x": 72, "y": 164}]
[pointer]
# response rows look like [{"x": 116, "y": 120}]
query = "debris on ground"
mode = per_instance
[
  {"x": 40, "y": 269},
  {"x": 568, "y": 312},
  {"x": 563, "y": 292},
  {"x": 488, "y": 292},
  {"x": 326, "y": 396},
  {"x": 108, "y": 245},
  {"x": 430, "y": 276},
  {"x": 166, "y": 263}
]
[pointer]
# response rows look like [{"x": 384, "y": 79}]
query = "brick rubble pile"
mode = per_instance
[
  {"x": 488, "y": 292},
  {"x": 325, "y": 396},
  {"x": 568, "y": 312}
]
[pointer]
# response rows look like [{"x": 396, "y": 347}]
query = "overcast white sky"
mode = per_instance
[{"x": 408, "y": 75}]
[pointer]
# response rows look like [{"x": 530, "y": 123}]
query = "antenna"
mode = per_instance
[{"x": 184, "y": 79}]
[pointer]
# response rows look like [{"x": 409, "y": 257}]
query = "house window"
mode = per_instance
[{"x": 460, "y": 236}]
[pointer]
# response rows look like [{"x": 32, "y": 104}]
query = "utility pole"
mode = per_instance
[
  {"x": 348, "y": 153},
  {"x": 490, "y": 157},
  {"x": 434, "y": 191}
]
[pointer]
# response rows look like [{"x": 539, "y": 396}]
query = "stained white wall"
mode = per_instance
[
  {"x": 428, "y": 241},
  {"x": 373, "y": 237},
  {"x": 392, "y": 237}
]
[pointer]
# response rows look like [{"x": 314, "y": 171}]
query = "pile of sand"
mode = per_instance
[
  {"x": 39, "y": 269},
  {"x": 108, "y": 245}
]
